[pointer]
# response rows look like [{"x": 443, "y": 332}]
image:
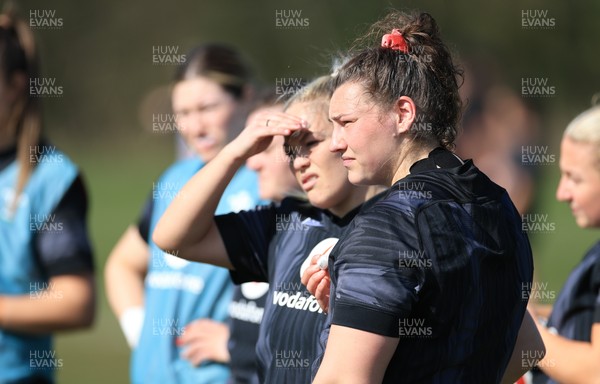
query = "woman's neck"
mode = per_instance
[
  {"x": 410, "y": 154},
  {"x": 359, "y": 195}
]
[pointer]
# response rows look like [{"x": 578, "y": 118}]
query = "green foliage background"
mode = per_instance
[{"x": 102, "y": 56}]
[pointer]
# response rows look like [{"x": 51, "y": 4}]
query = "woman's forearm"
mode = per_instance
[
  {"x": 195, "y": 205},
  {"x": 65, "y": 302}
]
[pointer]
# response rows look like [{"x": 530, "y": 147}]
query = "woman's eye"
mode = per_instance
[
  {"x": 311, "y": 143},
  {"x": 208, "y": 107},
  {"x": 205, "y": 108}
]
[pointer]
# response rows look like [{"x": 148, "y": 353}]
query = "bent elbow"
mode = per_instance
[
  {"x": 86, "y": 319},
  {"x": 161, "y": 241},
  {"x": 84, "y": 310},
  {"x": 165, "y": 241}
]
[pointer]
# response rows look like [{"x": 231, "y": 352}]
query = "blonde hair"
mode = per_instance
[
  {"x": 319, "y": 88},
  {"x": 585, "y": 128}
]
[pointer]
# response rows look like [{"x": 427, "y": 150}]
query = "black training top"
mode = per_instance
[
  {"x": 577, "y": 307},
  {"x": 439, "y": 262},
  {"x": 270, "y": 244}
]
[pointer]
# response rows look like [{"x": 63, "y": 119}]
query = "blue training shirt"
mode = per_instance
[
  {"x": 30, "y": 356},
  {"x": 178, "y": 292}
]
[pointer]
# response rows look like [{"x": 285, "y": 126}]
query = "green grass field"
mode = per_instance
[{"x": 119, "y": 177}]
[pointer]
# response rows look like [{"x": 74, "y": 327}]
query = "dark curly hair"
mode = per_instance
[{"x": 426, "y": 74}]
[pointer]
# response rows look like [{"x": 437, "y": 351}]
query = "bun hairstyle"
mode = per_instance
[
  {"x": 219, "y": 63},
  {"x": 424, "y": 71}
]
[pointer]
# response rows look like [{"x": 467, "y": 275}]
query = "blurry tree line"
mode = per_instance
[{"x": 102, "y": 53}]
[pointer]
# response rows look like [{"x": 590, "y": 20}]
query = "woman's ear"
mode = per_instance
[{"x": 406, "y": 112}]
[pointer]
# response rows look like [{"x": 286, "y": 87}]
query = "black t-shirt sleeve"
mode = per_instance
[
  {"x": 63, "y": 245},
  {"x": 596, "y": 285},
  {"x": 374, "y": 286},
  {"x": 247, "y": 235},
  {"x": 143, "y": 223}
]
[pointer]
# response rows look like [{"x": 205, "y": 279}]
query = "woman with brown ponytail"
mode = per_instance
[
  {"x": 427, "y": 284},
  {"x": 46, "y": 266}
]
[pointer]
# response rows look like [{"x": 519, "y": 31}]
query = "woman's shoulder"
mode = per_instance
[
  {"x": 179, "y": 172},
  {"x": 402, "y": 197},
  {"x": 192, "y": 164},
  {"x": 53, "y": 167},
  {"x": 594, "y": 253}
]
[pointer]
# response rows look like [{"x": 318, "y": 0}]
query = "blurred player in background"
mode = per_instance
[
  {"x": 497, "y": 130},
  {"x": 173, "y": 312},
  {"x": 273, "y": 243},
  {"x": 46, "y": 264},
  {"x": 572, "y": 332}
]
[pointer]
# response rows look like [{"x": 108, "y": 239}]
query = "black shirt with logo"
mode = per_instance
[
  {"x": 270, "y": 244},
  {"x": 440, "y": 262}
]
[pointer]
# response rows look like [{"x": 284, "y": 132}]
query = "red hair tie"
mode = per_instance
[{"x": 394, "y": 41}]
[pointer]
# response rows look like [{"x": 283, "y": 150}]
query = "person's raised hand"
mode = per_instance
[{"x": 259, "y": 132}]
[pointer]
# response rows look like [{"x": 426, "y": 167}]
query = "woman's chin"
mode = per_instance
[{"x": 356, "y": 178}]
